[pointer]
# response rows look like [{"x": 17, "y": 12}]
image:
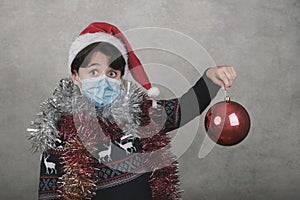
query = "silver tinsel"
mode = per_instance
[
  {"x": 66, "y": 99},
  {"x": 129, "y": 114}
]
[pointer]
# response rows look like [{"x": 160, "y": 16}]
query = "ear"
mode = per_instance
[{"x": 75, "y": 79}]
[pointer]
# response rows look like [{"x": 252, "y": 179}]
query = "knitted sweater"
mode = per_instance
[{"x": 122, "y": 170}]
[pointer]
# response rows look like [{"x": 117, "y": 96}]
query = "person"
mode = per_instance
[{"x": 104, "y": 137}]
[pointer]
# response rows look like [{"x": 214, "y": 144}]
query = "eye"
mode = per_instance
[
  {"x": 112, "y": 74},
  {"x": 93, "y": 72}
]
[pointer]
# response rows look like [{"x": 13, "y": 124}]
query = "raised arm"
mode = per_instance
[{"x": 177, "y": 112}]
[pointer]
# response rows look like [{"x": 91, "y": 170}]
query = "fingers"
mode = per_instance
[
  {"x": 227, "y": 75},
  {"x": 229, "y": 79},
  {"x": 223, "y": 78},
  {"x": 232, "y": 71}
]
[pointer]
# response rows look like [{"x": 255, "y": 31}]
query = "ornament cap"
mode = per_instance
[{"x": 227, "y": 98}]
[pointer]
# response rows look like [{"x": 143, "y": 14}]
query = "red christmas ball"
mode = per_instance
[{"x": 227, "y": 123}]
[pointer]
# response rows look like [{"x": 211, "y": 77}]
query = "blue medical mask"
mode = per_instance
[{"x": 101, "y": 90}]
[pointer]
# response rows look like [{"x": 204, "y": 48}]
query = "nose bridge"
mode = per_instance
[
  {"x": 111, "y": 83},
  {"x": 101, "y": 81},
  {"x": 106, "y": 82}
]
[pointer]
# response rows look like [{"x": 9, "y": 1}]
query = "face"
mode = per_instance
[{"x": 97, "y": 66}]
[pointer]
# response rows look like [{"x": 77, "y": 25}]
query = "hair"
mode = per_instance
[{"x": 116, "y": 59}]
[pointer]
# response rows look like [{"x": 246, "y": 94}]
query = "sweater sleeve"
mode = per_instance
[{"x": 177, "y": 112}]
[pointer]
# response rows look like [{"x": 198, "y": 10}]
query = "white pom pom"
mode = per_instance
[{"x": 153, "y": 92}]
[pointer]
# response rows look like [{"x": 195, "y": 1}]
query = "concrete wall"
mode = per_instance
[{"x": 261, "y": 38}]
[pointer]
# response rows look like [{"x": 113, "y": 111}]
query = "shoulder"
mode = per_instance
[{"x": 43, "y": 130}]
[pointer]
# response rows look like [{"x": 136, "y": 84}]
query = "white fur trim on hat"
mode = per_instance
[
  {"x": 153, "y": 92},
  {"x": 86, "y": 39}
]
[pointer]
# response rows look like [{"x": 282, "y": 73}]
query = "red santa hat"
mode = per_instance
[{"x": 104, "y": 32}]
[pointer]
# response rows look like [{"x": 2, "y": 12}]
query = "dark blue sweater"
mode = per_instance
[{"x": 123, "y": 173}]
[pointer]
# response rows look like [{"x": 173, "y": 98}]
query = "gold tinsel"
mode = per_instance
[{"x": 79, "y": 180}]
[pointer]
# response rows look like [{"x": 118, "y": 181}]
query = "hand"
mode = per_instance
[{"x": 222, "y": 75}]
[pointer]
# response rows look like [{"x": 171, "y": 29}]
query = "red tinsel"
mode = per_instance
[
  {"x": 164, "y": 180},
  {"x": 69, "y": 119},
  {"x": 79, "y": 180},
  {"x": 81, "y": 135}
]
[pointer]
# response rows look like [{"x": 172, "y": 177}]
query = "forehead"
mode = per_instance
[
  {"x": 99, "y": 57},
  {"x": 95, "y": 60}
]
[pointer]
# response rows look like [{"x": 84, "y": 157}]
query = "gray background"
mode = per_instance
[{"x": 261, "y": 38}]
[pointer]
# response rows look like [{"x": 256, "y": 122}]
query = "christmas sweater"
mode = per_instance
[{"x": 119, "y": 153}]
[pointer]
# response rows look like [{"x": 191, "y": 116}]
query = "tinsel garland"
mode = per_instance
[
  {"x": 79, "y": 180},
  {"x": 164, "y": 180},
  {"x": 80, "y": 133},
  {"x": 72, "y": 119},
  {"x": 43, "y": 130}
]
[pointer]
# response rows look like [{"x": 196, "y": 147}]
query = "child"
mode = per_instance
[{"x": 103, "y": 137}]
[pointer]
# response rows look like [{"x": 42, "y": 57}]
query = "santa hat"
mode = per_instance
[{"x": 104, "y": 32}]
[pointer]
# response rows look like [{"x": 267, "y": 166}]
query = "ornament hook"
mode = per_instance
[{"x": 226, "y": 96}]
